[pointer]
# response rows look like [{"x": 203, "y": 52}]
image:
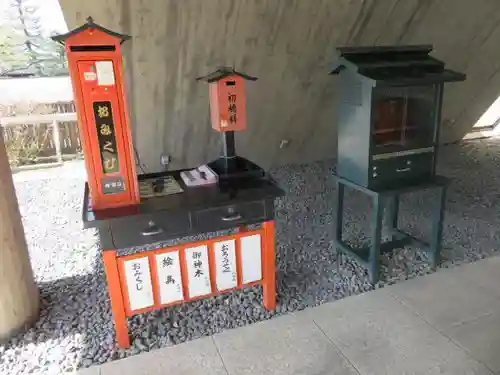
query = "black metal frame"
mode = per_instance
[{"x": 369, "y": 256}]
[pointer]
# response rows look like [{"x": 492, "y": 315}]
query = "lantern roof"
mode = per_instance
[
  {"x": 223, "y": 72},
  {"x": 90, "y": 25}
]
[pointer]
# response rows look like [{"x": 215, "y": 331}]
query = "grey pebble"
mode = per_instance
[
  {"x": 87, "y": 362},
  {"x": 76, "y": 318}
]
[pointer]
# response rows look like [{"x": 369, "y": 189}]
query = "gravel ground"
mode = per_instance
[{"x": 76, "y": 330}]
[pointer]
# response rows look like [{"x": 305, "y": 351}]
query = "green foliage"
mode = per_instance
[
  {"x": 24, "y": 143},
  {"x": 11, "y": 57},
  {"x": 23, "y": 46}
]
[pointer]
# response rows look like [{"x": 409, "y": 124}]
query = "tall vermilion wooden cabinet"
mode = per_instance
[{"x": 95, "y": 65}]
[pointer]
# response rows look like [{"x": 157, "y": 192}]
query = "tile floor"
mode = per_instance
[{"x": 444, "y": 323}]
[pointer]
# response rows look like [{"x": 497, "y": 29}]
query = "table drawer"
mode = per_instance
[
  {"x": 145, "y": 229},
  {"x": 231, "y": 216},
  {"x": 401, "y": 170}
]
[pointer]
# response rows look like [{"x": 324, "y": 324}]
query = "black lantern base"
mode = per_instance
[
  {"x": 236, "y": 168},
  {"x": 231, "y": 167}
]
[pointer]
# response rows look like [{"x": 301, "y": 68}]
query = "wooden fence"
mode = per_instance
[{"x": 32, "y": 139}]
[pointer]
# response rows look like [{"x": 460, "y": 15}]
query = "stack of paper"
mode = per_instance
[{"x": 200, "y": 176}]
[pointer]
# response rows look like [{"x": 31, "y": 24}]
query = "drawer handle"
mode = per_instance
[
  {"x": 232, "y": 217},
  {"x": 153, "y": 230},
  {"x": 403, "y": 170}
]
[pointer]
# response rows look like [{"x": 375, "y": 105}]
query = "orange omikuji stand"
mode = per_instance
[
  {"x": 95, "y": 65},
  {"x": 144, "y": 211},
  {"x": 227, "y": 99},
  {"x": 228, "y": 115}
]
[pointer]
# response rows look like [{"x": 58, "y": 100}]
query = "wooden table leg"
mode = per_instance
[
  {"x": 437, "y": 229},
  {"x": 393, "y": 215},
  {"x": 268, "y": 265},
  {"x": 116, "y": 297},
  {"x": 339, "y": 212},
  {"x": 338, "y": 221},
  {"x": 373, "y": 263}
]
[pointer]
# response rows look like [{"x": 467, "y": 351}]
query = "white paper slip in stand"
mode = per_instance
[{"x": 202, "y": 175}]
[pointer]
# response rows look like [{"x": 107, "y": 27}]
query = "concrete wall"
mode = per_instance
[{"x": 289, "y": 45}]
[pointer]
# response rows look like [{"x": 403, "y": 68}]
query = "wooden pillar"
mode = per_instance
[
  {"x": 269, "y": 266},
  {"x": 19, "y": 299},
  {"x": 116, "y": 298}
]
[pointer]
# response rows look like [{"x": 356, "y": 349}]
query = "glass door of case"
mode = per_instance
[{"x": 403, "y": 118}]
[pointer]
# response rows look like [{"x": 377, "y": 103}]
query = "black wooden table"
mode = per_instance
[
  {"x": 247, "y": 257},
  {"x": 369, "y": 256},
  {"x": 196, "y": 210}
]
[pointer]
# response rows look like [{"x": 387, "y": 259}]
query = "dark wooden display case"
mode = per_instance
[{"x": 389, "y": 112}]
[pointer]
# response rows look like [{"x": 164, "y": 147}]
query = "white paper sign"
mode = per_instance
[
  {"x": 169, "y": 277},
  {"x": 251, "y": 258},
  {"x": 105, "y": 74},
  {"x": 225, "y": 264},
  {"x": 139, "y": 286},
  {"x": 89, "y": 76},
  {"x": 198, "y": 271}
]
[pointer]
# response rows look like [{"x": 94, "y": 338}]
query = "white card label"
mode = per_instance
[
  {"x": 168, "y": 268},
  {"x": 198, "y": 271},
  {"x": 251, "y": 258},
  {"x": 139, "y": 286},
  {"x": 105, "y": 74},
  {"x": 89, "y": 76},
  {"x": 225, "y": 264}
]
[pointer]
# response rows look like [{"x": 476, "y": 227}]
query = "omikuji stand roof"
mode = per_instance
[
  {"x": 89, "y": 25},
  {"x": 395, "y": 64},
  {"x": 224, "y": 72}
]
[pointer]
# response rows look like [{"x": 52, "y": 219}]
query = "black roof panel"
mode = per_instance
[
  {"x": 223, "y": 72},
  {"x": 90, "y": 24},
  {"x": 385, "y": 63}
]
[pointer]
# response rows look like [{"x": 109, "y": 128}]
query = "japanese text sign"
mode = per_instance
[
  {"x": 164, "y": 277},
  {"x": 106, "y": 136}
]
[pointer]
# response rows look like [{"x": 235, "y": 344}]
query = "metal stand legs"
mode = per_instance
[{"x": 369, "y": 256}]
